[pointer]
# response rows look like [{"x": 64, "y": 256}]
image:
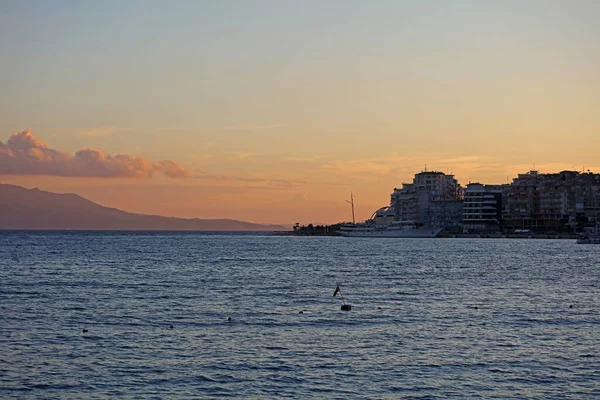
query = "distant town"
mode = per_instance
[{"x": 534, "y": 203}]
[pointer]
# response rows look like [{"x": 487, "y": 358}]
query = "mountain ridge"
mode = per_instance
[{"x": 35, "y": 209}]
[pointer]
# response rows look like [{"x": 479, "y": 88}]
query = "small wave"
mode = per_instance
[
  {"x": 203, "y": 378},
  {"x": 15, "y": 389}
]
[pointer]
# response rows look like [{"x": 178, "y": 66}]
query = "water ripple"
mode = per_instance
[{"x": 147, "y": 315}]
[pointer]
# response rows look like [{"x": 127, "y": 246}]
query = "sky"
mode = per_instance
[{"x": 275, "y": 111}]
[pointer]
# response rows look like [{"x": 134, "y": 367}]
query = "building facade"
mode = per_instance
[
  {"x": 568, "y": 201},
  {"x": 482, "y": 208},
  {"x": 560, "y": 202},
  {"x": 432, "y": 199}
]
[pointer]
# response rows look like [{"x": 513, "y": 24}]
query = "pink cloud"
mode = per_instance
[{"x": 24, "y": 154}]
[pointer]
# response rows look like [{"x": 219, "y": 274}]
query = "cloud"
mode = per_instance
[
  {"x": 465, "y": 159},
  {"x": 373, "y": 167},
  {"x": 99, "y": 132},
  {"x": 252, "y": 128},
  {"x": 271, "y": 184},
  {"x": 24, "y": 154}
]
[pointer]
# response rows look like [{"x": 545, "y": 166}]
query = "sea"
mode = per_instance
[{"x": 196, "y": 315}]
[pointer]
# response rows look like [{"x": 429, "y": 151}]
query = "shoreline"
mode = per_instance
[
  {"x": 509, "y": 236},
  {"x": 447, "y": 235}
]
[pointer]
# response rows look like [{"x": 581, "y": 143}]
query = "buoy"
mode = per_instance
[
  {"x": 170, "y": 326},
  {"x": 229, "y": 319},
  {"x": 345, "y": 307}
]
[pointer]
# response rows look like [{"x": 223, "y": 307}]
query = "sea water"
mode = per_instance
[{"x": 195, "y": 315}]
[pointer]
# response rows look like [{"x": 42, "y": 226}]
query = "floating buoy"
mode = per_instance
[
  {"x": 345, "y": 307},
  {"x": 229, "y": 319}
]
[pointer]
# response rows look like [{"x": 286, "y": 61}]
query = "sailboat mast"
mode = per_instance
[
  {"x": 351, "y": 202},
  {"x": 353, "y": 221},
  {"x": 596, "y": 210}
]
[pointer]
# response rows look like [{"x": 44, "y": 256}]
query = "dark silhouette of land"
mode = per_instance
[{"x": 35, "y": 209}]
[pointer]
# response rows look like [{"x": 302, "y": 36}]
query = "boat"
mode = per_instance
[
  {"x": 382, "y": 224},
  {"x": 591, "y": 239},
  {"x": 394, "y": 229}
]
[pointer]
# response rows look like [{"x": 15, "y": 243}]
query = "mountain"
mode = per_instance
[{"x": 36, "y": 209}]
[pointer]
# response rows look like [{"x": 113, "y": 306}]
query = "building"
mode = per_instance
[
  {"x": 432, "y": 199},
  {"x": 482, "y": 208},
  {"x": 568, "y": 201},
  {"x": 560, "y": 202}
]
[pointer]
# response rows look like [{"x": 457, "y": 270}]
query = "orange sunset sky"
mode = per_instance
[{"x": 274, "y": 111}]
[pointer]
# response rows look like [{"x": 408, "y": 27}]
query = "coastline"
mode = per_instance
[
  {"x": 448, "y": 235},
  {"x": 509, "y": 236}
]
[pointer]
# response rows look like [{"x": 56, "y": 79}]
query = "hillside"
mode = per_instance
[{"x": 36, "y": 209}]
